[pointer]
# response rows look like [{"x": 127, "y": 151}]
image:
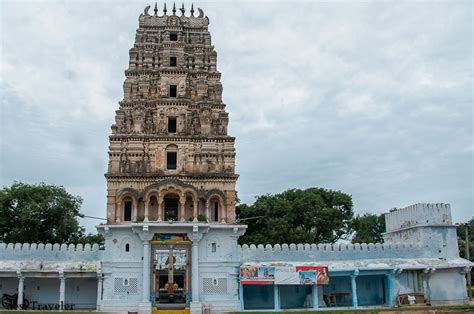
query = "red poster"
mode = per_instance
[{"x": 321, "y": 273}]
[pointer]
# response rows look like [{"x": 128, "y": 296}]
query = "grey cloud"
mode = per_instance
[{"x": 372, "y": 98}]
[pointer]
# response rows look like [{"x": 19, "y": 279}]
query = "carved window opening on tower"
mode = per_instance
[
  {"x": 216, "y": 211},
  {"x": 171, "y": 158},
  {"x": 172, "y": 208},
  {"x": 171, "y": 124},
  {"x": 173, "y": 89},
  {"x": 173, "y": 36},
  {"x": 127, "y": 211},
  {"x": 173, "y": 61},
  {"x": 127, "y": 247}
]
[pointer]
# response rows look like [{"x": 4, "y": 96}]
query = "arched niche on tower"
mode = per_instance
[
  {"x": 169, "y": 195},
  {"x": 126, "y": 205},
  {"x": 171, "y": 158},
  {"x": 215, "y": 205}
]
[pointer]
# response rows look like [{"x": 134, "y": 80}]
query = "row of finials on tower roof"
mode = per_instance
[{"x": 182, "y": 10}]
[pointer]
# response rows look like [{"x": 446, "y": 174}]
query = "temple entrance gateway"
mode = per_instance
[{"x": 171, "y": 271}]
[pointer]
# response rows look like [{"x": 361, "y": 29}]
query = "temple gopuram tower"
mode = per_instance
[
  {"x": 171, "y": 235},
  {"x": 170, "y": 156}
]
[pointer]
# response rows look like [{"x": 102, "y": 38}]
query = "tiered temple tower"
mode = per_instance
[
  {"x": 170, "y": 178},
  {"x": 170, "y": 157}
]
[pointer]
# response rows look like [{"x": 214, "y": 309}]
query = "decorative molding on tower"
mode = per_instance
[{"x": 171, "y": 123}]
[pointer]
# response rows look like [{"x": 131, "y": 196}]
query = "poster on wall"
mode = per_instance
[
  {"x": 257, "y": 275},
  {"x": 284, "y": 274},
  {"x": 320, "y": 275},
  {"x": 266, "y": 273}
]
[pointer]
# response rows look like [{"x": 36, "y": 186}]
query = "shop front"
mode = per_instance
[{"x": 283, "y": 286}]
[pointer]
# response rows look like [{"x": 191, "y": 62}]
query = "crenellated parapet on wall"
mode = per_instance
[
  {"x": 427, "y": 224},
  {"x": 418, "y": 215},
  {"x": 417, "y": 231},
  {"x": 330, "y": 252},
  {"x": 49, "y": 252}
]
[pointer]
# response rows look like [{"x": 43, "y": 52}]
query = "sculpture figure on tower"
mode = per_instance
[
  {"x": 197, "y": 153},
  {"x": 182, "y": 89}
]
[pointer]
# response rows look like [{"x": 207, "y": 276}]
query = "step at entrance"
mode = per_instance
[{"x": 167, "y": 309}]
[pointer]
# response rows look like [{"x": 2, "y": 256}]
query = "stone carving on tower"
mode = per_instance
[{"x": 170, "y": 157}]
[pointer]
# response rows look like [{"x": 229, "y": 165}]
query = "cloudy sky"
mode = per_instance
[{"x": 371, "y": 98}]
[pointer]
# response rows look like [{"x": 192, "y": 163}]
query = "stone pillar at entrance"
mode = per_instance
[
  {"x": 196, "y": 306},
  {"x": 62, "y": 290},
  {"x": 21, "y": 285},
  {"x": 146, "y": 271},
  {"x": 145, "y": 305}
]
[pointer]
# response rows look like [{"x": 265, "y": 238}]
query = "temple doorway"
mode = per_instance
[{"x": 171, "y": 271}]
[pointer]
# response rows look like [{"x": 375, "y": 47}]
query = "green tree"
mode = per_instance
[
  {"x": 91, "y": 238},
  {"x": 314, "y": 215},
  {"x": 40, "y": 213},
  {"x": 461, "y": 231},
  {"x": 368, "y": 228}
]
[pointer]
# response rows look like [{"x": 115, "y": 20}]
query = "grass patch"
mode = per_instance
[{"x": 458, "y": 308}]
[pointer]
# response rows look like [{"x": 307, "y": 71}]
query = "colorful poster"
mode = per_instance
[
  {"x": 307, "y": 277},
  {"x": 284, "y": 274},
  {"x": 257, "y": 275},
  {"x": 249, "y": 272},
  {"x": 266, "y": 273},
  {"x": 321, "y": 273}
]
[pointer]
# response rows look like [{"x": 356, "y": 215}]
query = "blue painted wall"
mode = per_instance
[{"x": 371, "y": 290}]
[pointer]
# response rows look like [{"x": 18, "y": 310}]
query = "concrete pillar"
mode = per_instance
[
  {"x": 62, "y": 291},
  {"x": 182, "y": 203},
  {"x": 241, "y": 297},
  {"x": 118, "y": 213},
  {"x": 354, "y": 288},
  {"x": 160, "y": 201},
  {"x": 276, "y": 296},
  {"x": 99, "y": 290},
  {"x": 195, "y": 211},
  {"x": 208, "y": 211},
  {"x": 428, "y": 273},
  {"x": 315, "y": 297},
  {"x": 147, "y": 203},
  {"x": 146, "y": 271},
  {"x": 391, "y": 288},
  {"x": 195, "y": 271},
  {"x": 222, "y": 211},
  {"x": 134, "y": 210},
  {"x": 21, "y": 286}
]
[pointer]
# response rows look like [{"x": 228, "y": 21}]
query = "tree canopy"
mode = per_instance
[
  {"x": 314, "y": 215},
  {"x": 461, "y": 231},
  {"x": 368, "y": 228},
  {"x": 40, "y": 213}
]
